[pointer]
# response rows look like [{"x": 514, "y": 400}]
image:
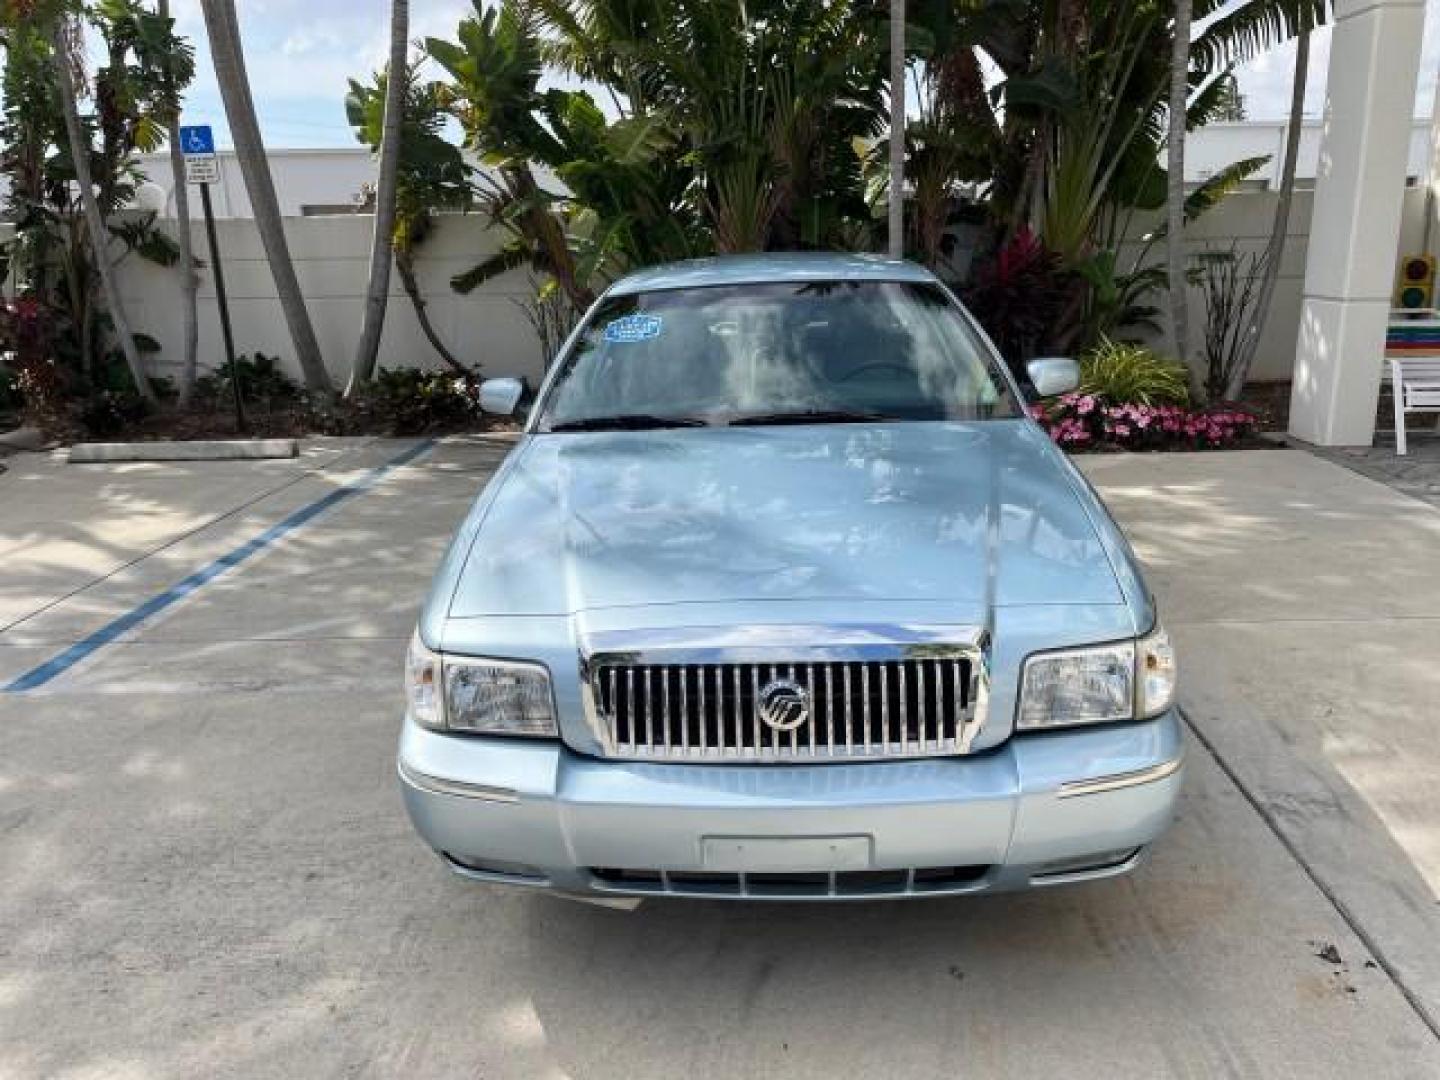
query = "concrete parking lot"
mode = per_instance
[{"x": 205, "y": 869}]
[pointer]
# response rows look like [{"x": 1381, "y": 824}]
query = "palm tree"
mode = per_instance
[
  {"x": 377, "y": 297},
  {"x": 432, "y": 176},
  {"x": 189, "y": 284},
  {"x": 1241, "y": 33},
  {"x": 223, "y": 29},
  {"x": 1275, "y": 248},
  {"x": 63, "y": 48},
  {"x": 897, "y": 129},
  {"x": 1175, "y": 197}
]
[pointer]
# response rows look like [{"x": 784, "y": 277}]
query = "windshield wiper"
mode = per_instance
[
  {"x": 809, "y": 416},
  {"x": 627, "y": 422}
]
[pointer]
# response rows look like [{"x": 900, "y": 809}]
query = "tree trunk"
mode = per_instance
[
  {"x": 222, "y": 28},
  {"x": 94, "y": 220},
  {"x": 378, "y": 295},
  {"x": 1275, "y": 249},
  {"x": 412, "y": 290},
  {"x": 189, "y": 284},
  {"x": 1175, "y": 199},
  {"x": 897, "y": 129},
  {"x": 540, "y": 225}
]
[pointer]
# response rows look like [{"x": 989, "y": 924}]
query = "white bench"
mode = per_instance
[{"x": 1415, "y": 381}]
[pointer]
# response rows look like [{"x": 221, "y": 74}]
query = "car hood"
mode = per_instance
[{"x": 983, "y": 513}]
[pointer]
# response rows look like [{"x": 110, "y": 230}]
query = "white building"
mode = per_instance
[
  {"x": 1216, "y": 146},
  {"x": 307, "y": 182},
  {"x": 310, "y": 183}
]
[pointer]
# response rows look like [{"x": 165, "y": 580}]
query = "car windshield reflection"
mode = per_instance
[{"x": 774, "y": 354}]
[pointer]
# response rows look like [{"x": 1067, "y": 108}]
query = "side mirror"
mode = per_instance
[
  {"x": 501, "y": 396},
  {"x": 1053, "y": 375}
]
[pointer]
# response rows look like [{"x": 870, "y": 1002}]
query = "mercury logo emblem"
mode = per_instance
[{"x": 784, "y": 705}]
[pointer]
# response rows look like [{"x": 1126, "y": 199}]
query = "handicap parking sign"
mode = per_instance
[
  {"x": 202, "y": 166},
  {"x": 198, "y": 140}
]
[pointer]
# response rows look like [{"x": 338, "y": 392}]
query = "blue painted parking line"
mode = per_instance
[{"x": 125, "y": 623}]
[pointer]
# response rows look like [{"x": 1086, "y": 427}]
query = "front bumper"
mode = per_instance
[{"x": 1042, "y": 809}]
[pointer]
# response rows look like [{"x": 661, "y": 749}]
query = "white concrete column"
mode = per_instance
[
  {"x": 1359, "y": 187},
  {"x": 1432, "y": 178}
]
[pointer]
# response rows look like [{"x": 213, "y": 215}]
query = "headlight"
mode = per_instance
[
  {"x": 498, "y": 697},
  {"x": 1078, "y": 686},
  {"x": 1098, "y": 685},
  {"x": 485, "y": 697}
]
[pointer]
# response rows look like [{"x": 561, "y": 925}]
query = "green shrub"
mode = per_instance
[
  {"x": 1131, "y": 374},
  {"x": 109, "y": 412},
  {"x": 113, "y": 377},
  {"x": 408, "y": 401},
  {"x": 262, "y": 382}
]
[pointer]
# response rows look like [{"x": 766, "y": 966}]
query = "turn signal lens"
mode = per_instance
[
  {"x": 422, "y": 685},
  {"x": 1157, "y": 672}
]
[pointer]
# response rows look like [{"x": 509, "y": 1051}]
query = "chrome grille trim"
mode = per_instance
[{"x": 873, "y": 699}]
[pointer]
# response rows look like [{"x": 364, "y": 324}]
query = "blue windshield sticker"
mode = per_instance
[{"x": 634, "y": 328}]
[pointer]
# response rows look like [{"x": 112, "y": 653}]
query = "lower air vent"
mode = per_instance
[{"x": 930, "y": 879}]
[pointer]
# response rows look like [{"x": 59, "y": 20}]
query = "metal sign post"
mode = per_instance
[{"x": 202, "y": 168}]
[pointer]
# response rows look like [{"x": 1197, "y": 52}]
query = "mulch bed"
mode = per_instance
[
  {"x": 171, "y": 425},
  {"x": 1249, "y": 442},
  {"x": 1270, "y": 401}
]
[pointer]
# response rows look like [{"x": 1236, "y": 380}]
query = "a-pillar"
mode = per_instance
[{"x": 1359, "y": 190}]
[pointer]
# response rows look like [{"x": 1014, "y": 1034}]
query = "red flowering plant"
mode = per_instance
[
  {"x": 25, "y": 342},
  {"x": 1081, "y": 421}
]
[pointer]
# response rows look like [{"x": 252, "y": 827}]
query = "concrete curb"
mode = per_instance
[{"x": 199, "y": 450}]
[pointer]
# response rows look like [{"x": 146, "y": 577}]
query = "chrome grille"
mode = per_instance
[{"x": 883, "y": 708}]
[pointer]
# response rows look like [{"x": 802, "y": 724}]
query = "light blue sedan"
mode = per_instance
[{"x": 783, "y": 595}]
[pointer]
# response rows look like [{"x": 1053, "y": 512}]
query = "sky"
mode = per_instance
[
  {"x": 301, "y": 53},
  {"x": 1267, "y": 82}
]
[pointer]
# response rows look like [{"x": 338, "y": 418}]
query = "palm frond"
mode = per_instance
[
  {"x": 511, "y": 257},
  {"x": 140, "y": 236},
  {"x": 1241, "y": 34},
  {"x": 1210, "y": 192},
  {"x": 1212, "y": 101},
  {"x": 1214, "y": 189}
]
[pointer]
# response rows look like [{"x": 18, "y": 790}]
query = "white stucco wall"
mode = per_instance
[
  {"x": 1245, "y": 218},
  {"x": 331, "y": 254},
  {"x": 490, "y": 327},
  {"x": 332, "y": 260}
]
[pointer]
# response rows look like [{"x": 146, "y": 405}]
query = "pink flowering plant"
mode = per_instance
[{"x": 1088, "y": 421}]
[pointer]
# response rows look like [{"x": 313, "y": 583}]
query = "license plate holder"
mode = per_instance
[{"x": 787, "y": 854}]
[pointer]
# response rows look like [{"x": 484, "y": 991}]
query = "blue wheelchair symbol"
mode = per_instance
[{"x": 197, "y": 140}]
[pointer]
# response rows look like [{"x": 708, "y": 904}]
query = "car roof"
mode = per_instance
[{"x": 769, "y": 267}]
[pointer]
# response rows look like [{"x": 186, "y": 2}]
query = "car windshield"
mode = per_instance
[{"x": 814, "y": 352}]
